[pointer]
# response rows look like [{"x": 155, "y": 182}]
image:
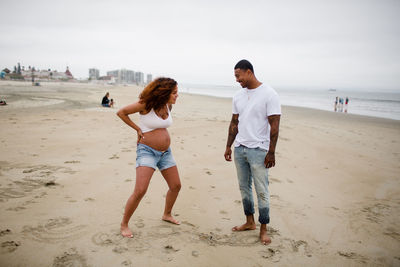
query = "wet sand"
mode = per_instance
[{"x": 67, "y": 167}]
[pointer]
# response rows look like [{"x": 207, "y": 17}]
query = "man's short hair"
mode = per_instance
[{"x": 244, "y": 65}]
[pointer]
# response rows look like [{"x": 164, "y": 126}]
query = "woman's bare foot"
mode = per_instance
[
  {"x": 170, "y": 219},
  {"x": 265, "y": 240},
  {"x": 244, "y": 227},
  {"x": 126, "y": 232}
]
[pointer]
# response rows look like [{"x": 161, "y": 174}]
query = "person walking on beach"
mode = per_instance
[
  {"x": 254, "y": 129},
  {"x": 153, "y": 146},
  {"x": 346, "y": 103}
]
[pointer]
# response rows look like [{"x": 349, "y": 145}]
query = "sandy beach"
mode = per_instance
[{"x": 67, "y": 167}]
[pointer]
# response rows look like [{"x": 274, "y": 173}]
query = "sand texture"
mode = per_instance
[{"x": 67, "y": 167}]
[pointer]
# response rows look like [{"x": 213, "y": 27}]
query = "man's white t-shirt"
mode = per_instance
[{"x": 254, "y": 106}]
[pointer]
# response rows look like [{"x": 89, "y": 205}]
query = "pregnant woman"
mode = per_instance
[{"x": 153, "y": 151}]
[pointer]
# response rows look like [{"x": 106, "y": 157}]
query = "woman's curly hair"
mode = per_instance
[{"x": 156, "y": 94}]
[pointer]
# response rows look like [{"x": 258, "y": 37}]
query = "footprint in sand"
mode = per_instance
[
  {"x": 25, "y": 186},
  {"x": 26, "y": 203},
  {"x": 170, "y": 249},
  {"x": 121, "y": 244},
  {"x": 270, "y": 254},
  {"x": 70, "y": 258},
  {"x": 9, "y": 246},
  {"x": 56, "y": 230},
  {"x": 163, "y": 231},
  {"x": 16, "y": 209},
  {"x": 107, "y": 239},
  {"x": 72, "y": 162},
  {"x": 5, "y": 232},
  {"x": 353, "y": 256},
  {"x": 375, "y": 212},
  {"x": 120, "y": 249},
  {"x": 392, "y": 232},
  {"x": 139, "y": 223},
  {"x": 127, "y": 263},
  {"x": 300, "y": 245},
  {"x": 189, "y": 224},
  {"x": 115, "y": 156},
  {"x": 246, "y": 238},
  {"x": 195, "y": 253}
]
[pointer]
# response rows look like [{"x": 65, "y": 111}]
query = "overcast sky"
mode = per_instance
[{"x": 296, "y": 43}]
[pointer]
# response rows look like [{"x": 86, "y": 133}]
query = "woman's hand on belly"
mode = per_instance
[
  {"x": 140, "y": 135},
  {"x": 158, "y": 139}
]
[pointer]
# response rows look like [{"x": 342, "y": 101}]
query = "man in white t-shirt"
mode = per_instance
[{"x": 254, "y": 130}]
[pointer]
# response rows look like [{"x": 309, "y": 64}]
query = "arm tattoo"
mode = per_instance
[
  {"x": 233, "y": 130},
  {"x": 274, "y": 133}
]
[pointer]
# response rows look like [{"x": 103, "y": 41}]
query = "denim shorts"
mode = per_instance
[{"x": 149, "y": 157}]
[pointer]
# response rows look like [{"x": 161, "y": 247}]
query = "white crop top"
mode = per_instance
[{"x": 151, "y": 121}]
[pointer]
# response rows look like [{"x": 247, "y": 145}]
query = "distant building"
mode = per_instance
[
  {"x": 113, "y": 73},
  {"x": 139, "y": 77},
  {"x": 46, "y": 75},
  {"x": 69, "y": 74},
  {"x": 122, "y": 75},
  {"x": 149, "y": 78},
  {"x": 108, "y": 79},
  {"x": 94, "y": 74}
]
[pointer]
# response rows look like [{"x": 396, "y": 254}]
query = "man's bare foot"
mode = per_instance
[
  {"x": 244, "y": 227},
  {"x": 265, "y": 240},
  {"x": 170, "y": 219},
  {"x": 126, "y": 232}
]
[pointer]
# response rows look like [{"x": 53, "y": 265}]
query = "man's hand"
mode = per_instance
[
  {"x": 228, "y": 154},
  {"x": 269, "y": 161}
]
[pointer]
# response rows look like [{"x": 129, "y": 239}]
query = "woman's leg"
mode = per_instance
[
  {"x": 171, "y": 175},
  {"x": 143, "y": 176}
]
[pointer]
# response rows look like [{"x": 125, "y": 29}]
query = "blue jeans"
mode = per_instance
[{"x": 250, "y": 166}]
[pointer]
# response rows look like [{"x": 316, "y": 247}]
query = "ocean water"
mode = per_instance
[{"x": 383, "y": 104}]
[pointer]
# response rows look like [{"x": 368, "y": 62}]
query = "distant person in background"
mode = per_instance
[
  {"x": 336, "y": 103},
  {"x": 345, "y": 104},
  {"x": 106, "y": 102},
  {"x": 341, "y": 104}
]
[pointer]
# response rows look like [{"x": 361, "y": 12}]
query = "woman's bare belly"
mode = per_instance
[{"x": 158, "y": 139}]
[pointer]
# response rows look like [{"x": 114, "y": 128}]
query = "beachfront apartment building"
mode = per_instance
[
  {"x": 122, "y": 75},
  {"x": 149, "y": 78},
  {"x": 94, "y": 74},
  {"x": 129, "y": 76},
  {"x": 139, "y": 77}
]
